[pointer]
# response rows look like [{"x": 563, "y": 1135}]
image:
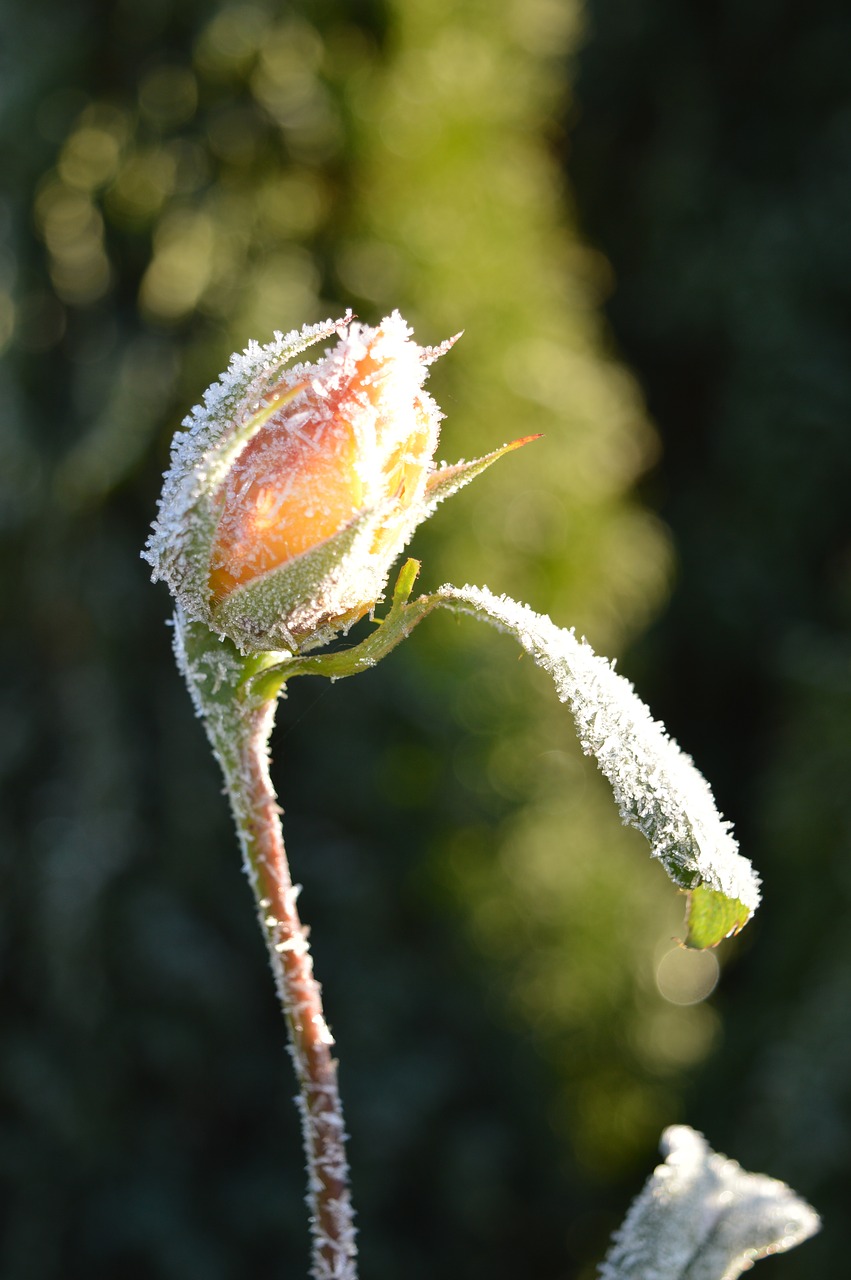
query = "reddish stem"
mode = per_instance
[{"x": 258, "y": 820}]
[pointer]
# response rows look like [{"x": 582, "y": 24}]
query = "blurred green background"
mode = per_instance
[{"x": 639, "y": 214}]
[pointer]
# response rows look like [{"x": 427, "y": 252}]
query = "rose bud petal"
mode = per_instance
[{"x": 293, "y": 491}]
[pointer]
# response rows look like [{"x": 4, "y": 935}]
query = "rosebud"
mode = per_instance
[{"x": 292, "y": 491}]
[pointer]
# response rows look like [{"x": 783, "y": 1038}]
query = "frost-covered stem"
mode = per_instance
[{"x": 257, "y": 818}]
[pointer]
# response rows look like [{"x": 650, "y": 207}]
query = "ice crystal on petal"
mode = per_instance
[
  {"x": 656, "y": 786},
  {"x": 702, "y": 1217}
]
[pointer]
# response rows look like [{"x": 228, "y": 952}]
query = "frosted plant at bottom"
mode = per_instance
[
  {"x": 291, "y": 492},
  {"x": 702, "y": 1217}
]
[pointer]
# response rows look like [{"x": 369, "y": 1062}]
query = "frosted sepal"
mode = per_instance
[
  {"x": 656, "y": 786},
  {"x": 702, "y": 1217},
  {"x": 450, "y": 477},
  {"x": 303, "y": 603}
]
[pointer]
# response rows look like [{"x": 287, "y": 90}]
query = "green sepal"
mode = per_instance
[
  {"x": 263, "y": 379},
  {"x": 287, "y": 604},
  {"x": 448, "y": 480},
  {"x": 403, "y": 615}
]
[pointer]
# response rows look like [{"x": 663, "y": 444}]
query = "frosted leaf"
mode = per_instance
[
  {"x": 656, "y": 786},
  {"x": 702, "y": 1217}
]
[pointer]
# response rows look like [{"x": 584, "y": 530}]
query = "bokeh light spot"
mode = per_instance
[
  {"x": 146, "y": 180},
  {"x": 89, "y": 158},
  {"x": 684, "y": 976},
  {"x": 72, "y": 229},
  {"x": 231, "y": 40},
  {"x": 181, "y": 266},
  {"x": 291, "y": 204},
  {"x": 371, "y": 269}
]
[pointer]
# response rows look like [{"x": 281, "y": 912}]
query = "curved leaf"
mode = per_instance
[{"x": 656, "y": 786}]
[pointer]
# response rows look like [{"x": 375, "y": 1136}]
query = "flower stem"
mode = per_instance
[{"x": 257, "y": 818}]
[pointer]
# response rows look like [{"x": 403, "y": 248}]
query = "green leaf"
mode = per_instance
[{"x": 711, "y": 917}]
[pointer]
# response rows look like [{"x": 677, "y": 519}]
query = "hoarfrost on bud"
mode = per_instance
[
  {"x": 292, "y": 490},
  {"x": 702, "y": 1217},
  {"x": 201, "y": 455}
]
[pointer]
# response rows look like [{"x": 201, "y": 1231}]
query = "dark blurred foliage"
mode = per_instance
[
  {"x": 179, "y": 178},
  {"x": 712, "y": 163}
]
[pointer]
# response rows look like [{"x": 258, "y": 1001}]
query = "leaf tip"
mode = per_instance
[{"x": 711, "y": 917}]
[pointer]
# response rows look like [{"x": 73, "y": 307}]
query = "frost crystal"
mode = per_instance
[
  {"x": 702, "y": 1217},
  {"x": 656, "y": 786}
]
